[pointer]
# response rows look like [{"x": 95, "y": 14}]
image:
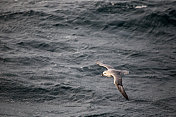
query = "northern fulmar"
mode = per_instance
[{"x": 117, "y": 75}]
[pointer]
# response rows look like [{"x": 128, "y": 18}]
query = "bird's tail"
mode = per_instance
[{"x": 122, "y": 91}]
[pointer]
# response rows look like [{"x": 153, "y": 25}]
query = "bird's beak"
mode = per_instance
[{"x": 102, "y": 74}]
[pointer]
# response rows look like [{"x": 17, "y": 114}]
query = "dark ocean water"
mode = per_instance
[{"x": 49, "y": 49}]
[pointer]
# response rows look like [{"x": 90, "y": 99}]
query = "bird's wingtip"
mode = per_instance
[
  {"x": 122, "y": 91},
  {"x": 125, "y": 72},
  {"x": 98, "y": 62}
]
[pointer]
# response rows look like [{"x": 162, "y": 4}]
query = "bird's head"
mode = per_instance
[{"x": 106, "y": 73}]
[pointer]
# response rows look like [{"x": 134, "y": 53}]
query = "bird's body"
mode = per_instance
[{"x": 117, "y": 75}]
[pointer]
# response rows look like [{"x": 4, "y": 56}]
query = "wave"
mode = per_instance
[
  {"x": 169, "y": 106},
  {"x": 143, "y": 21},
  {"x": 26, "y": 61},
  {"x": 50, "y": 46},
  {"x": 21, "y": 14},
  {"x": 108, "y": 16},
  {"x": 25, "y": 91},
  {"x": 97, "y": 15},
  {"x": 4, "y": 47}
]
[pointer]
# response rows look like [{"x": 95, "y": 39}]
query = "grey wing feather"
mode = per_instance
[
  {"x": 104, "y": 65},
  {"x": 122, "y": 90},
  {"x": 118, "y": 84},
  {"x": 123, "y": 71}
]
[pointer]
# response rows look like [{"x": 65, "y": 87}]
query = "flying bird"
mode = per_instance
[{"x": 117, "y": 75}]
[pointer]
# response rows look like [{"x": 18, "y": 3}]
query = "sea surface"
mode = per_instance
[{"x": 49, "y": 49}]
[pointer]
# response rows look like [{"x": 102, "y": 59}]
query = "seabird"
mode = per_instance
[{"x": 117, "y": 75}]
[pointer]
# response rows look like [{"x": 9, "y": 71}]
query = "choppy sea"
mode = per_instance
[{"x": 49, "y": 49}]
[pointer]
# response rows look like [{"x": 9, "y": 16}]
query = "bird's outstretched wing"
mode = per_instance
[
  {"x": 104, "y": 65},
  {"x": 118, "y": 84},
  {"x": 125, "y": 72}
]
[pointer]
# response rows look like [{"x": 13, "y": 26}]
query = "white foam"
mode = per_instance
[{"x": 142, "y": 6}]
